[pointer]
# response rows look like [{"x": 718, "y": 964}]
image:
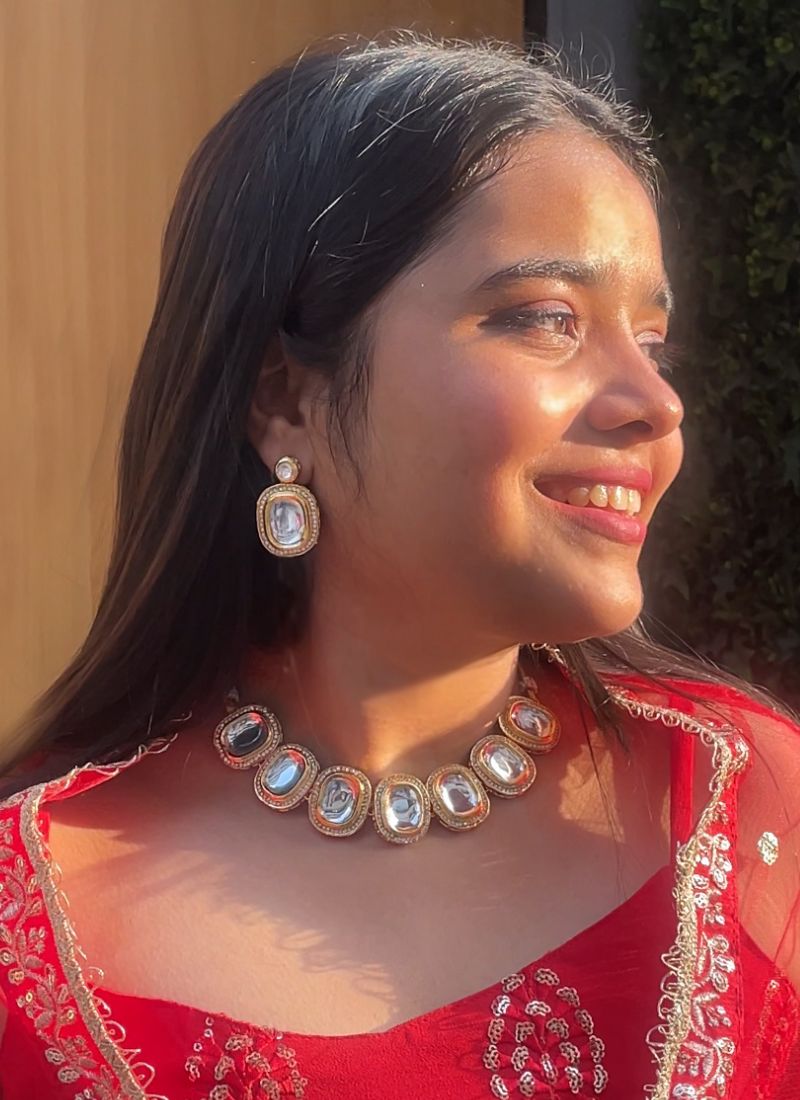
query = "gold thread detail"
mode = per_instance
[
  {"x": 683, "y": 1041},
  {"x": 107, "y": 1035}
]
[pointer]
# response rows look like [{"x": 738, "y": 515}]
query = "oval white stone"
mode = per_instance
[
  {"x": 284, "y": 772},
  {"x": 403, "y": 808},
  {"x": 287, "y": 522},
  {"x": 529, "y": 718},
  {"x": 337, "y": 800},
  {"x": 245, "y": 734},
  {"x": 459, "y": 794},
  {"x": 505, "y": 762}
]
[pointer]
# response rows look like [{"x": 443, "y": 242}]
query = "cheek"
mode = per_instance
[
  {"x": 455, "y": 453},
  {"x": 675, "y": 451},
  {"x": 471, "y": 412}
]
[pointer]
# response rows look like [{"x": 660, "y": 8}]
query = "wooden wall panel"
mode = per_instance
[{"x": 101, "y": 105}]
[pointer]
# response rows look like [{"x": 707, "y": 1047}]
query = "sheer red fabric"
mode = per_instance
[{"x": 687, "y": 989}]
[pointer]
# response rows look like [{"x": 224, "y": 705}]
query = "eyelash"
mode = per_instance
[{"x": 665, "y": 353}]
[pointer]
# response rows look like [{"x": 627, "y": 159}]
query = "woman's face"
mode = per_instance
[{"x": 497, "y": 397}]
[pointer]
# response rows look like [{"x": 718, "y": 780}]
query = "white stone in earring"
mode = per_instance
[{"x": 287, "y": 514}]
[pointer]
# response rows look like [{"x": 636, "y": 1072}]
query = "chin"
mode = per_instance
[{"x": 576, "y": 621}]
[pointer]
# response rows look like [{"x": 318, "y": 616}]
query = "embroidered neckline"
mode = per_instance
[
  {"x": 693, "y": 1043},
  {"x": 53, "y": 1005}
]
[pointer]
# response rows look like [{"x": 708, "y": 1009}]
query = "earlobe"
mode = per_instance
[
  {"x": 275, "y": 421},
  {"x": 273, "y": 436}
]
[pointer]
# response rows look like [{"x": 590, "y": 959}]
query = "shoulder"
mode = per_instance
[{"x": 709, "y": 701}]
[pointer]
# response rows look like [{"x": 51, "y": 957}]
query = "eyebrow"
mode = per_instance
[{"x": 573, "y": 271}]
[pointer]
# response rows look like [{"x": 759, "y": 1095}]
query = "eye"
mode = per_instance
[
  {"x": 665, "y": 354},
  {"x": 552, "y": 320}
]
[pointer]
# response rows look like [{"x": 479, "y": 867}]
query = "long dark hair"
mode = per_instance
[{"x": 312, "y": 192}]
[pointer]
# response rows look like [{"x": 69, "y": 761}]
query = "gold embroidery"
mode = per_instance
[
  {"x": 530, "y": 1028},
  {"x": 272, "y": 1071},
  {"x": 45, "y": 1001},
  {"x": 694, "y": 1037},
  {"x": 768, "y": 848},
  {"x": 54, "y": 1005}
]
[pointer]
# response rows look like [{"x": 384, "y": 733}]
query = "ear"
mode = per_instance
[{"x": 278, "y": 421}]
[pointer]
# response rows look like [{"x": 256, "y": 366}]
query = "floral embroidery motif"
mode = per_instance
[
  {"x": 43, "y": 994},
  {"x": 41, "y": 956},
  {"x": 695, "y": 1044},
  {"x": 246, "y": 1066},
  {"x": 778, "y": 1030},
  {"x": 542, "y": 1042},
  {"x": 768, "y": 848}
]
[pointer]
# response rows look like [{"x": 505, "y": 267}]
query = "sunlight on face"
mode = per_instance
[{"x": 514, "y": 375}]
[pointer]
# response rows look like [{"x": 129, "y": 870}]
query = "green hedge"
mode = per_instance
[{"x": 721, "y": 79}]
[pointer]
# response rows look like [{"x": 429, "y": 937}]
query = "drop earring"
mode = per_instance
[{"x": 287, "y": 514}]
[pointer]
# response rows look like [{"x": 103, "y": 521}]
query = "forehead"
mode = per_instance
[{"x": 562, "y": 194}]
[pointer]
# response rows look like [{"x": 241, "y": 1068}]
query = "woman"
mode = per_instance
[{"x": 399, "y": 425}]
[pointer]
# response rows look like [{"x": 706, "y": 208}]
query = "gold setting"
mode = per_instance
[
  {"x": 362, "y": 789},
  {"x": 305, "y": 500},
  {"x": 274, "y": 737},
  {"x": 457, "y": 794},
  {"x": 489, "y": 778},
  {"x": 380, "y": 807},
  {"x": 458, "y": 822},
  {"x": 287, "y": 469},
  {"x": 533, "y": 742},
  {"x": 293, "y": 797}
]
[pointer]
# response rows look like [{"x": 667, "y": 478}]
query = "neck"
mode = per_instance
[{"x": 355, "y": 696}]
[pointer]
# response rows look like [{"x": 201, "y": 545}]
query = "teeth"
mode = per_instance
[{"x": 616, "y": 497}]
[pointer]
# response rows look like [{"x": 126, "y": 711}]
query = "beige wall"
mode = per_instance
[{"x": 101, "y": 105}]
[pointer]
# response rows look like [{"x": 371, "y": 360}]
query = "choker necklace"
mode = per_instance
[{"x": 401, "y": 806}]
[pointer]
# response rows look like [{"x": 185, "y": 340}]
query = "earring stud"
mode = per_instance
[{"x": 287, "y": 514}]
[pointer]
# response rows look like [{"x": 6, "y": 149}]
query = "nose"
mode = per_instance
[{"x": 636, "y": 400}]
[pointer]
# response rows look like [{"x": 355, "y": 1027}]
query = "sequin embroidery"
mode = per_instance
[
  {"x": 540, "y": 1034},
  {"x": 243, "y": 1066},
  {"x": 79, "y": 1039},
  {"x": 695, "y": 1044}
]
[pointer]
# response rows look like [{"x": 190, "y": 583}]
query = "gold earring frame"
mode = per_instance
[{"x": 300, "y": 499}]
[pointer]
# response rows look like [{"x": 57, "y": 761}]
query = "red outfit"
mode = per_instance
[{"x": 595, "y": 1017}]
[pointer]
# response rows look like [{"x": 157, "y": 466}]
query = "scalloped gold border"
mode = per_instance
[
  {"x": 679, "y": 986},
  {"x": 106, "y": 1033},
  {"x": 529, "y": 741},
  {"x": 307, "y": 501},
  {"x": 274, "y": 737},
  {"x": 488, "y": 778}
]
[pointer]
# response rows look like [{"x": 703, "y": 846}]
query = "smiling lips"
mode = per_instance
[
  {"x": 608, "y": 500},
  {"x": 617, "y": 497},
  {"x": 618, "y": 487}
]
